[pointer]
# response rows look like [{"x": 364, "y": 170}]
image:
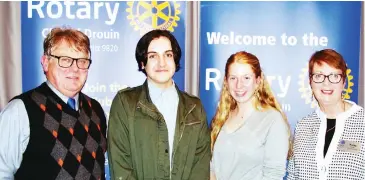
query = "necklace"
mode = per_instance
[
  {"x": 331, "y": 128},
  {"x": 344, "y": 109},
  {"x": 239, "y": 119}
]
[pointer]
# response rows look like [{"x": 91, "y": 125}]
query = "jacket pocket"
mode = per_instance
[{"x": 192, "y": 123}]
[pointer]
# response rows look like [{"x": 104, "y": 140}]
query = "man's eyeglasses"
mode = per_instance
[
  {"x": 65, "y": 61},
  {"x": 333, "y": 78}
]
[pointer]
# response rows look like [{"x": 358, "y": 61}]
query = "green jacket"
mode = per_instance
[{"x": 138, "y": 138}]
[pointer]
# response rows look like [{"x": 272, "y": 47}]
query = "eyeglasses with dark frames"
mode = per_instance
[
  {"x": 66, "y": 62},
  {"x": 332, "y": 78}
]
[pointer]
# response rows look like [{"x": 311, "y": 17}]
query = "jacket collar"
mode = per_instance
[
  {"x": 320, "y": 117},
  {"x": 184, "y": 108}
]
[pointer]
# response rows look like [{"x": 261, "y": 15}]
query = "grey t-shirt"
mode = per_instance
[{"x": 255, "y": 151}]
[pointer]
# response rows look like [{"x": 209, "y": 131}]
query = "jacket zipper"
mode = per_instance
[
  {"x": 173, "y": 154},
  {"x": 182, "y": 133}
]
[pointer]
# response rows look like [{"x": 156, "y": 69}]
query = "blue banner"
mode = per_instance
[
  {"x": 114, "y": 29},
  {"x": 283, "y": 35}
]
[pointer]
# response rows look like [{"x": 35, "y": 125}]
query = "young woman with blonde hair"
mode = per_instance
[{"x": 250, "y": 133}]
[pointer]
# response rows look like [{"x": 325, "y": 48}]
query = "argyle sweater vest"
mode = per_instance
[{"x": 64, "y": 143}]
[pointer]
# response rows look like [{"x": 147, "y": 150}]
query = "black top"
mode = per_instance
[{"x": 330, "y": 131}]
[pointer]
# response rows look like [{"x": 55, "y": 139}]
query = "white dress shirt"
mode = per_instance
[
  {"x": 15, "y": 132},
  {"x": 166, "y": 101}
]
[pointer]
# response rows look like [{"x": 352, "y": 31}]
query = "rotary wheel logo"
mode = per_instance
[
  {"x": 146, "y": 16},
  {"x": 306, "y": 91}
]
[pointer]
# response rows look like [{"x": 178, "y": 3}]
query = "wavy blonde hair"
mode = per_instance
[{"x": 264, "y": 98}]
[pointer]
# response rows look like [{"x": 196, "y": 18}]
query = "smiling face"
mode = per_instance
[
  {"x": 326, "y": 92},
  {"x": 160, "y": 67},
  {"x": 69, "y": 81},
  {"x": 242, "y": 82}
]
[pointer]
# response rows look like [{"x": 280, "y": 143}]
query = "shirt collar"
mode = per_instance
[
  {"x": 156, "y": 92},
  {"x": 63, "y": 97}
]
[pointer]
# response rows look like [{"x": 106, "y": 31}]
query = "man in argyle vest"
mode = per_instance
[{"x": 55, "y": 131}]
